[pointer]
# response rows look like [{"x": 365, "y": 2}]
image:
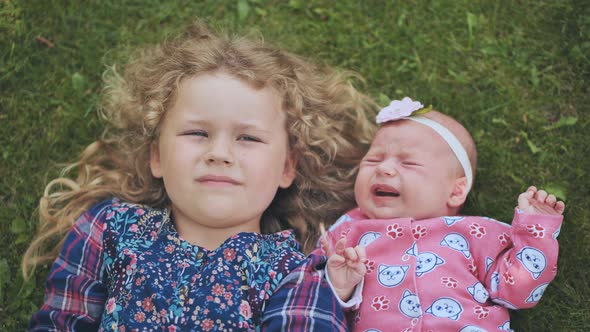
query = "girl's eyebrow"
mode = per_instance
[
  {"x": 195, "y": 121},
  {"x": 239, "y": 126},
  {"x": 251, "y": 126}
]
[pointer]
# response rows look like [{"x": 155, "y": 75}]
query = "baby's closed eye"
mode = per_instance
[
  {"x": 411, "y": 163},
  {"x": 372, "y": 159}
]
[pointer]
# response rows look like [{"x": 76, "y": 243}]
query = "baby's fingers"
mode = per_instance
[
  {"x": 340, "y": 246},
  {"x": 362, "y": 253},
  {"x": 336, "y": 261},
  {"x": 539, "y": 201},
  {"x": 540, "y": 196},
  {"x": 559, "y": 207},
  {"x": 524, "y": 199},
  {"x": 359, "y": 265},
  {"x": 351, "y": 254},
  {"x": 551, "y": 200}
]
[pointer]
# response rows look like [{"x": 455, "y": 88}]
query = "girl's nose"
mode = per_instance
[{"x": 220, "y": 152}]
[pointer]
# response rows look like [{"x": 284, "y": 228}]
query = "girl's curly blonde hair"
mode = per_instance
[{"x": 327, "y": 125}]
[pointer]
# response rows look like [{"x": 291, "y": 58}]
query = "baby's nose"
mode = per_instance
[{"x": 387, "y": 168}]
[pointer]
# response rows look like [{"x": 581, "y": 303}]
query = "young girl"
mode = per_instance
[
  {"x": 420, "y": 266},
  {"x": 214, "y": 147}
]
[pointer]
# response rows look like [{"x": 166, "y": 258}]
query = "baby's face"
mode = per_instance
[{"x": 409, "y": 171}]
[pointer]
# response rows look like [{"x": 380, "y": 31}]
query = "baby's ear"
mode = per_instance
[{"x": 459, "y": 193}]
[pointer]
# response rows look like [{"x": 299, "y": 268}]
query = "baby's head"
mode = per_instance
[{"x": 413, "y": 166}]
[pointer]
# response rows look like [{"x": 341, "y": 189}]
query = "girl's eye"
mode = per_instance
[
  {"x": 197, "y": 133},
  {"x": 410, "y": 163},
  {"x": 249, "y": 138}
]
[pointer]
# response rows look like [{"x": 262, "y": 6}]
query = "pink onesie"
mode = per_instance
[{"x": 449, "y": 273}]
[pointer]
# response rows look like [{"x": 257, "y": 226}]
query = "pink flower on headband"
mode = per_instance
[{"x": 398, "y": 109}]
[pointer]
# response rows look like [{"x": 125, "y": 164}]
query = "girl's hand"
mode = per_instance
[
  {"x": 346, "y": 267},
  {"x": 539, "y": 202}
]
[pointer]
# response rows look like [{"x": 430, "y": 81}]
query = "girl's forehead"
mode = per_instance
[{"x": 212, "y": 93}]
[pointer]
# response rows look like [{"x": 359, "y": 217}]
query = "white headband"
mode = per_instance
[
  {"x": 399, "y": 110},
  {"x": 453, "y": 142}
]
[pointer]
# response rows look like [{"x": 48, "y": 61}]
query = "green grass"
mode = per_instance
[{"x": 516, "y": 73}]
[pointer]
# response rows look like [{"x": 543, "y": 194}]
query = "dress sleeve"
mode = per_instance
[
  {"x": 527, "y": 261},
  {"x": 75, "y": 294},
  {"x": 304, "y": 301}
]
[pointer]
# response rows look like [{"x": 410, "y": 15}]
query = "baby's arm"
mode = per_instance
[
  {"x": 528, "y": 261},
  {"x": 74, "y": 292},
  {"x": 346, "y": 267}
]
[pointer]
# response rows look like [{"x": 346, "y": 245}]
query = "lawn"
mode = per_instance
[{"x": 516, "y": 73}]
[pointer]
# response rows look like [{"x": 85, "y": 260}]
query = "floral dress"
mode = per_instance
[{"x": 124, "y": 267}]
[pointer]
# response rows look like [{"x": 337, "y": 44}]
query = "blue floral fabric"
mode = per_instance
[
  {"x": 155, "y": 279},
  {"x": 149, "y": 279}
]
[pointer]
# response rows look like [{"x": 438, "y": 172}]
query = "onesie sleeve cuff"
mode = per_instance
[
  {"x": 525, "y": 220},
  {"x": 355, "y": 300}
]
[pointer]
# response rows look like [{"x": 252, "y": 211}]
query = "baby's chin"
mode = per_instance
[{"x": 383, "y": 213}]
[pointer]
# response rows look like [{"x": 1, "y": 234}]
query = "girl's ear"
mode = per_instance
[
  {"x": 155, "y": 165},
  {"x": 459, "y": 193},
  {"x": 289, "y": 171}
]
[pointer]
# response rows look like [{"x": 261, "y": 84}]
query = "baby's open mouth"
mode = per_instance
[{"x": 385, "y": 191}]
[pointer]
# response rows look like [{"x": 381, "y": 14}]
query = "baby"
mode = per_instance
[{"x": 412, "y": 263}]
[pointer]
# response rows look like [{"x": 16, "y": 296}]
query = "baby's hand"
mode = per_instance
[
  {"x": 539, "y": 202},
  {"x": 346, "y": 267}
]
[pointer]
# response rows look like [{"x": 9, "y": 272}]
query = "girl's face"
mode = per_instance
[
  {"x": 222, "y": 154},
  {"x": 409, "y": 171}
]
